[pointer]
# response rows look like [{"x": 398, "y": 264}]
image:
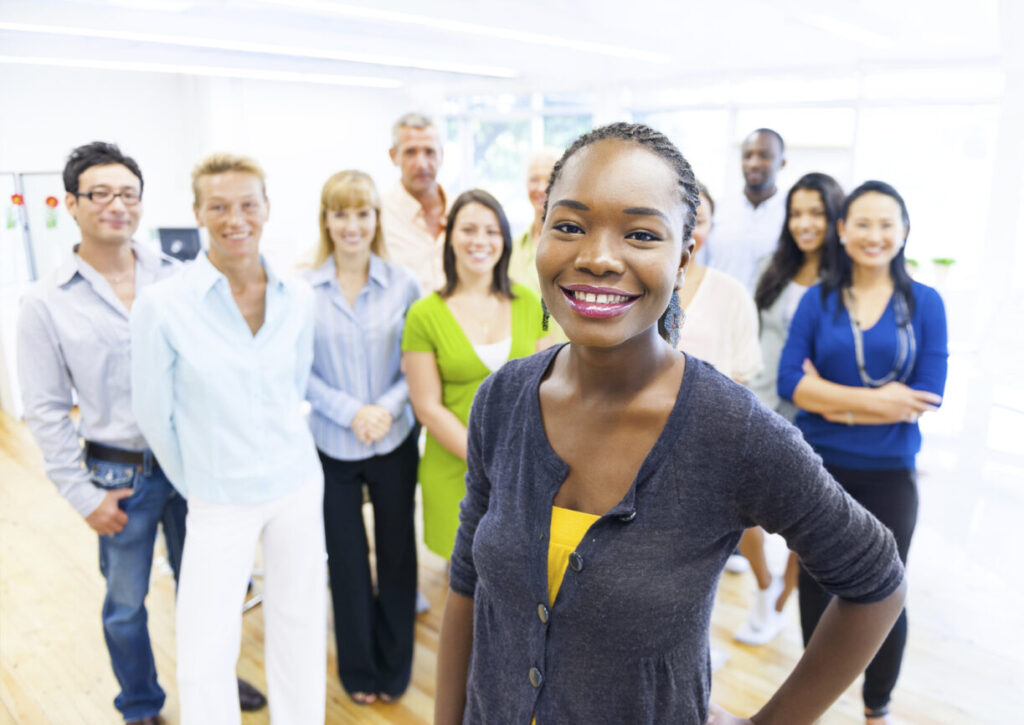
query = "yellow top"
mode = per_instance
[{"x": 568, "y": 528}]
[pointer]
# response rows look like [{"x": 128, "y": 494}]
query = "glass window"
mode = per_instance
[
  {"x": 940, "y": 158},
  {"x": 937, "y": 83},
  {"x": 790, "y": 89},
  {"x": 828, "y": 127},
  {"x": 500, "y": 150},
  {"x": 560, "y": 131},
  {"x": 703, "y": 137}
]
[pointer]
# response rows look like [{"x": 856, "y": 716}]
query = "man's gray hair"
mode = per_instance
[{"x": 410, "y": 120}]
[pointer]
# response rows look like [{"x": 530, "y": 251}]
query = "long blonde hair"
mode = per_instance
[{"x": 348, "y": 189}]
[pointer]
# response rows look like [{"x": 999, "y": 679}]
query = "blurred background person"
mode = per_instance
[
  {"x": 522, "y": 268},
  {"x": 721, "y": 322},
  {"x": 865, "y": 358},
  {"x": 748, "y": 224},
  {"x": 366, "y": 435},
  {"x": 456, "y": 337},
  {"x": 413, "y": 212},
  {"x": 812, "y": 209}
]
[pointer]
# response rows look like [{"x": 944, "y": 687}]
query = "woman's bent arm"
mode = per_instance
[
  {"x": 425, "y": 392},
  {"x": 845, "y": 640},
  {"x": 453, "y": 653},
  {"x": 892, "y": 403}
]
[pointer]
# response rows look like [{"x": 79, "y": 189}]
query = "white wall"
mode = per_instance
[{"x": 300, "y": 133}]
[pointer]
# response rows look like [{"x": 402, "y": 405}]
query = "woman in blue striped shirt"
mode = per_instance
[{"x": 366, "y": 435}]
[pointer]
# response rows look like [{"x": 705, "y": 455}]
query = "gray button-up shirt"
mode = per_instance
[{"x": 74, "y": 338}]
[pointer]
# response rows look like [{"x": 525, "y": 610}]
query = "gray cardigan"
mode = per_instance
[{"x": 626, "y": 641}]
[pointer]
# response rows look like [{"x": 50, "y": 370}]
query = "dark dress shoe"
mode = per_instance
[
  {"x": 249, "y": 698},
  {"x": 151, "y": 720}
]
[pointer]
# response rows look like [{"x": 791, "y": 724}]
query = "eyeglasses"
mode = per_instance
[{"x": 129, "y": 197}]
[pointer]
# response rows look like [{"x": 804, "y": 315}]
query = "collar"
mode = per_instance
[
  {"x": 205, "y": 276},
  {"x": 768, "y": 203},
  {"x": 407, "y": 203},
  {"x": 327, "y": 272},
  {"x": 146, "y": 258}
]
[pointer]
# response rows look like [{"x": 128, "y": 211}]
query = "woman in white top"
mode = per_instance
[
  {"x": 721, "y": 320},
  {"x": 812, "y": 207}
]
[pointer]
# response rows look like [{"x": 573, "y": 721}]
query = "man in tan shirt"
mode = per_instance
[{"x": 413, "y": 213}]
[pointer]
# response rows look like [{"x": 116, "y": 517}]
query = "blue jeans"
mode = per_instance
[{"x": 126, "y": 559}]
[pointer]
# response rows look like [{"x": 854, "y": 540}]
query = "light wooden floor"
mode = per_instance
[{"x": 963, "y": 665}]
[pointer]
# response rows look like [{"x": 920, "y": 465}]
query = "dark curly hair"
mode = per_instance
[{"x": 657, "y": 143}]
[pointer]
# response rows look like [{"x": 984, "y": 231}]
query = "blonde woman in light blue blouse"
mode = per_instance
[{"x": 366, "y": 435}]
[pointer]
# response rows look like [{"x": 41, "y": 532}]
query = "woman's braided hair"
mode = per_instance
[{"x": 656, "y": 142}]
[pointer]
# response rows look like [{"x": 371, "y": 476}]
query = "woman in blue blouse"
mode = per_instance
[
  {"x": 366, "y": 435},
  {"x": 865, "y": 358}
]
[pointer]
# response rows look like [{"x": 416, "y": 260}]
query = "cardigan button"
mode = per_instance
[
  {"x": 542, "y": 613},
  {"x": 536, "y": 678},
  {"x": 575, "y": 562},
  {"x": 626, "y": 518}
]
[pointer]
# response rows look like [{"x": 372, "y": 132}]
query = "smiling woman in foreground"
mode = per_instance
[{"x": 609, "y": 480}]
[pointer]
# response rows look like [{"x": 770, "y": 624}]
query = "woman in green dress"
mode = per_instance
[{"x": 456, "y": 337}]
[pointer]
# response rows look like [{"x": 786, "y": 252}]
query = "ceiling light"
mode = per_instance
[
  {"x": 205, "y": 70},
  {"x": 266, "y": 49},
  {"x": 850, "y": 31},
  {"x": 457, "y": 26}
]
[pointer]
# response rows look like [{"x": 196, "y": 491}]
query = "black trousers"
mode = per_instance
[
  {"x": 373, "y": 630},
  {"x": 892, "y": 497}
]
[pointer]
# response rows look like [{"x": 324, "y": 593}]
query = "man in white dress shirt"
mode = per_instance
[
  {"x": 413, "y": 213},
  {"x": 747, "y": 227}
]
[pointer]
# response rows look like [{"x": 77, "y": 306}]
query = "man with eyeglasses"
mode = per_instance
[{"x": 74, "y": 340}]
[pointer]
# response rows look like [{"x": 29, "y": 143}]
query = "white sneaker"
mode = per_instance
[
  {"x": 718, "y": 658},
  {"x": 737, "y": 564},
  {"x": 422, "y": 603},
  {"x": 764, "y": 622}
]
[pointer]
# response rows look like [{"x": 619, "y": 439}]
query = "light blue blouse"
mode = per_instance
[
  {"x": 357, "y": 358},
  {"x": 222, "y": 408}
]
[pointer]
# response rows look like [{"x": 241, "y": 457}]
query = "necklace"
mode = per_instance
[{"x": 906, "y": 343}]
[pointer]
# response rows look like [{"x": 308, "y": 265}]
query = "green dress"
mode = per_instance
[{"x": 430, "y": 327}]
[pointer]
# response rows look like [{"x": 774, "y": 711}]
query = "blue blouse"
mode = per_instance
[
  {"x": 357, "y": 358},
  {"x": 222, "y": 408},
  {"x": 818, "y": 334}
]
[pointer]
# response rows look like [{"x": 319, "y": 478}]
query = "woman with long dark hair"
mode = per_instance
[
  {"x": 812, "y": 210},
  {"x": 456, "y": 337},
  {"x": 610, "y": 478},
  {"x": 865, "y": 358}
]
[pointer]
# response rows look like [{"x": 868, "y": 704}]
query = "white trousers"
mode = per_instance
[{"x": 220, "y": 545}]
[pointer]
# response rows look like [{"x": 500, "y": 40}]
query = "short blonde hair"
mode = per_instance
[
  {"x": 222, "y": 163},
  {"x": 345, "y": 190}
]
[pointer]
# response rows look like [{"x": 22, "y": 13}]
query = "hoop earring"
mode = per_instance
[
  {"x": 545, "y": 320},
  {"x": 675, "y": 318}
]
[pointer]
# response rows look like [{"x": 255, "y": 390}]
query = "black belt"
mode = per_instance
[{"x": 116, "y": 455}]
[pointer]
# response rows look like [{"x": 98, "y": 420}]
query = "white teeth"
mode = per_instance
[{"x": 601, "y": 299}]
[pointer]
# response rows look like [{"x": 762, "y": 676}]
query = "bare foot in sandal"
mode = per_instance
[{"x": 363, "y": 698}]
